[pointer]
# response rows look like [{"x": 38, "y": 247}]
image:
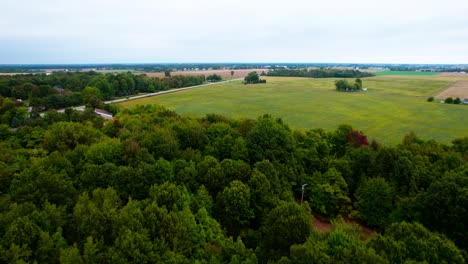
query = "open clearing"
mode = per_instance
[
  {"x": 392, "y": 107},
  {"x": 225, "y": 74},
  {"x": 457, "y": 89}
]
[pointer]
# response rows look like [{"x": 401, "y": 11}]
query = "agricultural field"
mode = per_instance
[
  {"x": 225, "y": 74},
  {"x": 457, "y": 89},
  {"x": 391, "y": 107},
  {"x": 405, "y": 73}
]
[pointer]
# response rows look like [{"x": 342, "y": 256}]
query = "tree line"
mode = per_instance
[
  {"x": 320, "y": 73},
  {"x": 152, "y": 186},
  {"x": 63, "y": 89}
]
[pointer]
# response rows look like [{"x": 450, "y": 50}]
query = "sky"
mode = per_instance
[{"x": 155, "y": 31}]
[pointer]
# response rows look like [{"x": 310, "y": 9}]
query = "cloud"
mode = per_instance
[{"x": 103, "y": 31}]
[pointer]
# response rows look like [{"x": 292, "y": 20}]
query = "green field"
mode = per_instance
[
  {"x": 405, "y": 73},
  {"x": 392, "y": 106}
]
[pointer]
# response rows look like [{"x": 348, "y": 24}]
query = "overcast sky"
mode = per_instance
[{"x": 154, "y": 31}]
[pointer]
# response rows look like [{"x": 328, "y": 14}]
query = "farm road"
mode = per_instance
[
  {"x": 82, "y": 107},
  {"x": 165, "y": 92}
]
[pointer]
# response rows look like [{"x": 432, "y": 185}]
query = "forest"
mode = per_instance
[
  {"x": 64, "y": 89},
  {"x": 319, "y": 73},
  {"x": 151, "y": 186}
]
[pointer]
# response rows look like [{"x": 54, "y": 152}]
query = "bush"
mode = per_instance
[
  {"x": 214, "y": 78},
  {"x": 449, "y": 100},
  {"x": 430, "y": 99},
  {"x": 253, "y": 78},
  {"x": 457, "y": 101}
]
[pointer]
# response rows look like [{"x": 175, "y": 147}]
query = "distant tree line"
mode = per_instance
[
  {"x": 320, "y": 73},
  {"x": 60, "y": 90},
  {"x": 151, "y": 186}
]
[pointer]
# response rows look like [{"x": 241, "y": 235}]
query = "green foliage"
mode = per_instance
[
  {"x": 374, "y": 202},
  {"x": 345, "y": 86},
  {"x": 319, "y": 73},
  {"x": 234, "y": 207},
  {"x": 92, "y": 97},
  {"x": 214, "y": 78},
  {"x": 444, "y": 207},
  {"x": 270, "y": 139},
  {"x": 412, "y": 242},
  {"x": 153, "y": 186},
  {"x": 286, "y": 225},
  {"x": 328, "y": 193},
  {"x": 252, "y": 78},
  {"x": 67, "y": 135}
]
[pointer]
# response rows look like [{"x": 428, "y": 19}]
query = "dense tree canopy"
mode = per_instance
[
  {"x": 62, "y": 89},
  {"x": 151, "y": 186}
]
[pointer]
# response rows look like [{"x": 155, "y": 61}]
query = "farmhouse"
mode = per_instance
[
  {"x": 103, "y": 113},
  {"x": 465, "y": 101}
]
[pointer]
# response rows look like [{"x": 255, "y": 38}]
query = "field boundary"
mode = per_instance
[
  {"x": 166, "y": 92},
  {"x": 456, "y": 89}
]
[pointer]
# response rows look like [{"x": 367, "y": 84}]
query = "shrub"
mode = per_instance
[
  {"x": 430, "y": 99},
  {"x": 457, "y": 101},
  {"x": 449, "y": 100}
]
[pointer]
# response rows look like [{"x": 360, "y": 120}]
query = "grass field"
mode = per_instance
[
  {"x": 392, "y": 106},
  {"x": 405, "y": 73}
]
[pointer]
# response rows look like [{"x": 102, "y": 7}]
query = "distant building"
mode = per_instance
[
  {"x": 103, "y": 113},
  {"x": 465, "y": 101}
]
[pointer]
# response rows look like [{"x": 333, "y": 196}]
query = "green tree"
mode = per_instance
[
  {"x": 443, "y": 207},
  {"x": 92, "y": 96},
  {"x": 105, "y": 88},
  {"x": 253, "y": 77},
  {"x": 374, "y": 202},
  {"x": 214, "y": 78},
  {"x": 328, "y": 193},
  {"x": 70, "y": 255},
  {"x": 286, "y": 225},
  {"x": 404, "y": 242},
  {"x": 270, "y": 139},
  {"x": 132, "y": 247},
  {"x": 358, "y": 83},
  {"x": 65, "y": 136},
  {"x": 234, "y": 207}
]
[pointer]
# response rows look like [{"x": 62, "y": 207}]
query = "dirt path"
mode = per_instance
[
  {"x": 457, "y": 89},
  {"x": 324, "y": 226},
  {"x": 82, "y": 107},
  {"x": 165, "y": 92}
]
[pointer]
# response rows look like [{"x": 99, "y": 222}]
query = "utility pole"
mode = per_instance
[{"x": 302, "y": 198}]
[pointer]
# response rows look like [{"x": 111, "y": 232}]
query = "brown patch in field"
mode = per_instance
[
  {"x": 452, "y": 74},
  {"x": 225, "y": 74},
  {"x": 457, "y": 89}
]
